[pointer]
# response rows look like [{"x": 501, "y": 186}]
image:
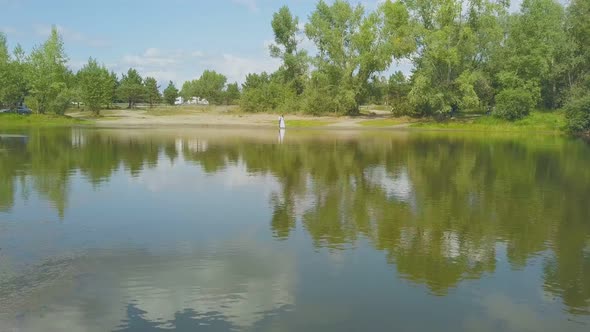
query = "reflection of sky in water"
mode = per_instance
[{"x": 237, "y": 282}]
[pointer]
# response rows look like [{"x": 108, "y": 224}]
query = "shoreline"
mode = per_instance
[{"x": 230, "y": 117}]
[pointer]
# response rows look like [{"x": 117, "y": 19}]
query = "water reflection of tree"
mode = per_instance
[
  {"x": 467, "y": 195},
  {"x": 461, "y": 195},
  {"x": 48, "y": 159}
]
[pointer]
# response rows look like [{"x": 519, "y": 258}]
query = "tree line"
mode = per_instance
[
  {"x": 466, "y": 55},
  {"x": 43, "y": 81}
]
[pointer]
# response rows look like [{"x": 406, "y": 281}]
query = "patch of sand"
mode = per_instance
[{"x": 143, "y": 118}]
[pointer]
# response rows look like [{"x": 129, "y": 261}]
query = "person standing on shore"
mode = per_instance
[{"x": 282, "y": 122}]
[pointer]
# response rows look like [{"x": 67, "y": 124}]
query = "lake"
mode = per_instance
[{"x": 250, "y": 230}]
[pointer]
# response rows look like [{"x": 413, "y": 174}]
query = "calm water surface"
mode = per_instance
[{"x": 217, "y": 230}]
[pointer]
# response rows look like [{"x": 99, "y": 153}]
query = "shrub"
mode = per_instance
[
  {"x": 513, "y": 104},
  {"x": 577, "y": 113}
]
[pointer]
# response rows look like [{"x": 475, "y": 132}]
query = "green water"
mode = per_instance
[{"x": 222, "y": 230}]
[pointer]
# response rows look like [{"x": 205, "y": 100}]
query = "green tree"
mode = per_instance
[
  {"x": 209, "y": 86},
  {"x": 95, "y": 85},
  {"x": 47, "y": 75},
  {"x": 12, "y": 80},
  {"x": 131, "y": 88},
  {"x": 152, "y": 91},
  {"x": 170, "y": 93},
  {"x": 398, "y": 88},
  {"x": 531, "y": 51},
  {"x": 232, "y": 93},
  {"x": 352, "y": 47},
  {"x": 577, "y": 113},
  {"x": 264, "y": 93},
  {"x": 295, "y": 60},
  {"x": 114, "y": 81},
  {"x": 5, "y": 72},
  {"x": 456, "y": 44}
]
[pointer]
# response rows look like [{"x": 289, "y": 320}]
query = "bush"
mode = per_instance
[
  {"x": 401, "y": 107},
  {"x": 577, "y": 113},
  {"x": 514, "y": 104}
]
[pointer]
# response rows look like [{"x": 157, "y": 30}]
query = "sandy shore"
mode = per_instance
[{"x": 213, "y": 118}]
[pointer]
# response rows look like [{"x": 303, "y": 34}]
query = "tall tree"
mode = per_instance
[
  {"x": 578, "y": 30},
  {"x": 170, "y": 93},
  {"x": 152, "y": 91},
  {"x": 287, "y": 37},
  {"x": 456, "y": 44},
  {"x": 352, "y": 47},
  {"x": 9, "y": 89},
  {"x": 95, "y": 84},
  {"x": 531, "y": 52},
  {"x": 131, "y": 88},
  {"x": 47, "y": 75}
]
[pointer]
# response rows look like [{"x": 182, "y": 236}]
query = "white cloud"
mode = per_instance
[
  {"x": 70, "y": 35},
  {"x": 250, "y": 4},
  {"x": 236, "y": 68}
]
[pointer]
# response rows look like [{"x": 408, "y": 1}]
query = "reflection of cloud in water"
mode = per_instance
[
  {"x": 504, "y": 314},
  {"x": 239, "y": 283},
  {"x": 183, "y": 176},
  {"x": 398, "y": 186}
]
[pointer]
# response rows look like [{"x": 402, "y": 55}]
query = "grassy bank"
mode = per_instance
[
  {"x": 311, "y": 123},
  {"x": 38, "y": 120},
  {"x": 386, "y": 122},
  {"x": 536, "y": 121}
]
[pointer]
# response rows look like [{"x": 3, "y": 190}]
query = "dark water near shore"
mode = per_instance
[{"x": 218, "y": 230}]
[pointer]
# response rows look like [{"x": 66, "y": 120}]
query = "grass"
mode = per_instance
[
  {"x": 536, "y": 121},
  {"x": 385, "y": 122},
  {"x": 164, "y": 110},
  {"x": 307, "y": 123},
  {"x": 38, "y": 120}
]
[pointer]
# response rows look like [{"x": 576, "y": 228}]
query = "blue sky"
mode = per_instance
[{"x": 167, "y": 39}]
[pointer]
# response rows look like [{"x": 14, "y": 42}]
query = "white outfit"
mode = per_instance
[
  {"x": 281, "y": 122},
  {"x": 281, "y": 135}
]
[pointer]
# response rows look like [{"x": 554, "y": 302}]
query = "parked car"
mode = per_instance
[
  {"x": 23, "y": 110},
  {"x": 6, "y": 110}
]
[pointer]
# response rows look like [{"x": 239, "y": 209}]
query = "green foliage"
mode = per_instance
[
  {"x": 578, "y": 114},
  {"x": 352, "y": 47},
  {"x": 535, "y": 39},
  {"x": 47, "y": 75},
  {"x": 232, "y": 94},
  {"x": 513, "y": 104},
  {"x": 152, "y": 91},
  {"x": 95, "y": 85},
  {"x": 13, "y": 83},
  {"x": 398, "y": 88},
  {"x": 454, "y": 48},
  {"x": 295, "y": 61},
  {"x": 170, "y": 93},
  {"x": 209, "y": 86},
  {"x": 536, "y": 121},
  {"x": 267, "y": 93},
  {"x": 38, "y": 120},
  {"x": 131, "y": 88}
]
